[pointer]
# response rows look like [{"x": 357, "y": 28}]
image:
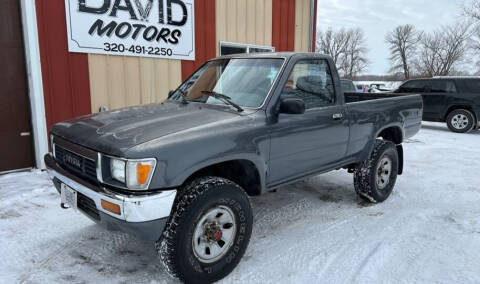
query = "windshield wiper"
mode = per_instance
[{"x": 223, "y": 98}]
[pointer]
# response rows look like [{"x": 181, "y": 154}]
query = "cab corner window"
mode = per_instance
[{"x": 311, "y": 81}]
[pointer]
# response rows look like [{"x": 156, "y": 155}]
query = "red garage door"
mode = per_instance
[{"x": 16, "y": 149}]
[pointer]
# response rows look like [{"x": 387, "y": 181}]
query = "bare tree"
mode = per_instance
[
  {"x": 403, "y": 43},
  {"x": 333, "y": 43},
  {"x": 443, "y": 50},
  {"x": 473, "y": 10},
  {"x": 354, "y": 60},
  {"x": 347, "y": 48}
]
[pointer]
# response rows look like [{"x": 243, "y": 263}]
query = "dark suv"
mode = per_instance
[{"x": 454, "y": 100}]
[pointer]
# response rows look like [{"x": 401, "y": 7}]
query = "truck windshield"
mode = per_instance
[{"x": 246, "y": 81}]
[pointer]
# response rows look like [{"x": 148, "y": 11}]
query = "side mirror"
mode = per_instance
[
  {"x": 292, "y": 106},
  {"x": 170, "y": 93}
]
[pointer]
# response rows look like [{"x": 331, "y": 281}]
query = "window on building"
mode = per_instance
[
  {"x": 311, "y": 81},
  {"x": 227, "y": 48}
]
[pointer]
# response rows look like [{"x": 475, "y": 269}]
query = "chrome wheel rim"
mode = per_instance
[
  {"x": 459, "y": 121},
  {"x": 214, "y": 234},
  {"x": 384, "y": 170}
]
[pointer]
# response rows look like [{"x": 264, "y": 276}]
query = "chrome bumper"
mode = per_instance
[{"x": 134, "y": 209}]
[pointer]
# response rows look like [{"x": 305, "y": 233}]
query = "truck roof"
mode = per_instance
[{"x": 285, "y": 55}]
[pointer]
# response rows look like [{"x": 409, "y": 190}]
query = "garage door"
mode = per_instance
[{"x": 16, "y": 149}]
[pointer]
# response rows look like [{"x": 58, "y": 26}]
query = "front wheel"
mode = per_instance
[
  {"x": 208, "y": 232},
  {"x": 460, "y": 121},
  {"x": 375, "y": 178}
]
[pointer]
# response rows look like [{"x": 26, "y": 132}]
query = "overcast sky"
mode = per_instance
[{"x": 377, "y": 17}]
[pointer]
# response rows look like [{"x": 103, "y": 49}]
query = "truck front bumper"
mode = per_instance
[{"x": 142, "y": 215}]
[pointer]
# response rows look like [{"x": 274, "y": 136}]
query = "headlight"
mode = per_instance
[
  {"x": 135, "y": 174},
  {"x": 117, "y": 169}
]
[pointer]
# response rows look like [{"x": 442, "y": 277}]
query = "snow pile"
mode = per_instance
[{"x": 314, "y": 231}]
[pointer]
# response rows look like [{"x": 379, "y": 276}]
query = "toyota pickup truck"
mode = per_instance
[{"x": 181, "y": 172}]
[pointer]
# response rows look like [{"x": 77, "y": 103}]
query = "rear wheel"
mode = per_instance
[
  {"x": 460, "y": 121},
  {"x": 208, "y": 232},
  {"x": 375, "y": 178}
]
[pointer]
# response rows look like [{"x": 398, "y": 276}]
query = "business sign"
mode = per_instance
[{"x": 147, "y": 28}]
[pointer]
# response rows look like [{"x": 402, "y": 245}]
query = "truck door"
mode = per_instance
[{"x": 305, "y": 143}]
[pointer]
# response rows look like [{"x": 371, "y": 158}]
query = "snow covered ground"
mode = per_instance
[{"x": 314, "y": 231}]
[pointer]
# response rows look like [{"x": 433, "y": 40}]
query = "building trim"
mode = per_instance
[
  {"x": 314, "y": 26},
  {"x": 34, "y": 77}
]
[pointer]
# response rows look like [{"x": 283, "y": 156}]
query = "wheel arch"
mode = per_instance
[
  {"x": 243, "y": 172},
  {"x": 394, "y": 134},
  {"x": 468, "y": 107}
]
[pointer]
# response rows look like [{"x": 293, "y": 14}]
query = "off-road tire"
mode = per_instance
[
  {"x": 365, "y": 173},
  {"x": 463, "y": 112},
  {"x": 175, "y": 247}
]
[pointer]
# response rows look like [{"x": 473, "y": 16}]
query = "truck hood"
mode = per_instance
[{"x": 114, "y": 132}]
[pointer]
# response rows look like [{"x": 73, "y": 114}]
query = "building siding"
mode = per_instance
[
  {"x": 205, "y": 37},
  {"x": 283, "y": 30},
  {"x": 244, "y": 21},
  {"x": 65, "y": 75},
  {"x": 121, "y": 81},
  {"x": 77, "y": 84},
  {"x": 302, "y": 25}
]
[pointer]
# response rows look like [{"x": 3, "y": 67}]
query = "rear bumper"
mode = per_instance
[{"x": 144, "y": 216}]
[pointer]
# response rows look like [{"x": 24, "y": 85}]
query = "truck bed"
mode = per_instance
[
  {"x": 369, "y": 113},
  {"x": 358, "y": 97}
]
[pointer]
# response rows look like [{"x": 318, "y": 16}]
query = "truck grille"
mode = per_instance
[
  {"x": 76, "y": 164},
  {"x": 88, "y": 206}
]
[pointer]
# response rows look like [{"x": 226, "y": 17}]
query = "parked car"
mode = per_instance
[
  {"x": 348, "y": 86},
  {"x": 361, "y": 88},
  {"x": 454, "y": 100},
  {"x": 180, "y": 173}
]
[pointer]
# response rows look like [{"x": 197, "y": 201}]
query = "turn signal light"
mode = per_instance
[
  {"x": 142, "y": 173},
  {"x": 111, "y": 207}
]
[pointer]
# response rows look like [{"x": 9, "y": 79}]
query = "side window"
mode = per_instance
[
  {"x": 418, "y": 86},
  {"x": 311, "y": 81},
  {"x": 442, "y": 86}
]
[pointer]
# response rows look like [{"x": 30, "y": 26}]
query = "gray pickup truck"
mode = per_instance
[{"x": 181, "y": 172}]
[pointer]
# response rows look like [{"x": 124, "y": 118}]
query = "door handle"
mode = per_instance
[{"x": 337, "y": 116}]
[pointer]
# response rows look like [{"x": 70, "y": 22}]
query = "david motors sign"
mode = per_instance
[{"x": 149, "y": 28}]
